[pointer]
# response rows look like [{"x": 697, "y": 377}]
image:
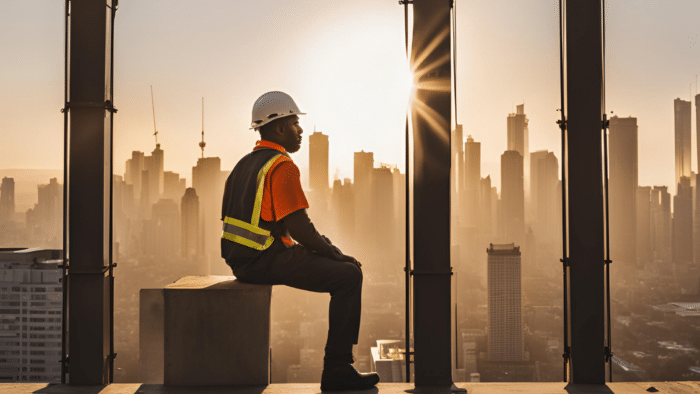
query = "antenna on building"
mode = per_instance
[
  {"x": 153, "y": 107},
  {"x": 202, "y": 144}
]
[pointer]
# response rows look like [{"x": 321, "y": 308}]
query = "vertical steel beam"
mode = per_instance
[
  {"x": 89, "y": 182},
  {"x": 431, "y": 114},
  {"x": 586, "y": 227}
]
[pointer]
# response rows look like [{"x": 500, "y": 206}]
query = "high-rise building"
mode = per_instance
[
  {"x": 472, "y": 180},
  {"x": 318, "y": 161},
  {"x": 134, "y": 168},
  {"x": 343, "y": 207},
  {"x": 681, "y": 116},
  {"x": 518, "y": 140},
  {"x": 544, "y": 178},
  {"x": 362, "y": 186},
  {"x": 154, "y": 165},
  {"x": 46, "y": 218},
  {"x": 173, "y": 186},
  {"x": 682, "y": 235},
  {"x": 643, "y": 220},
  {"x": 189, "y": 213},
  {"x": 165, "y": 229},
  {"x": 505, "y": 329},
  {"x": 485, "y": 209},
  {"x": 208, "y": 181},
  {"x": 383, "y": 220},
  {"x": 623, "y": 183},
  {"x": 7, "y": 200},
  {"x": 31, "y": 297},
  {"x": 512, "y": 196},
  {"x": 661, "y": 225}
]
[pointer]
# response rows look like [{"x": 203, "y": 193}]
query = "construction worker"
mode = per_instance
[{"x": 264, "y": 208}]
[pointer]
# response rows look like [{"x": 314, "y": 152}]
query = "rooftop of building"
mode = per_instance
[{"x": 382, "y": 388}]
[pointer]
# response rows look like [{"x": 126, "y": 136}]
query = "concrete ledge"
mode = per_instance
[{"x": 215, "y": 332}]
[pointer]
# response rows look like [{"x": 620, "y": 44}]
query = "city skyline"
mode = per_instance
[{"x": 371, "y": 34}]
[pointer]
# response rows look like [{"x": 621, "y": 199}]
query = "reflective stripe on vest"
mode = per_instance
[{"x": 249, "y": 234}]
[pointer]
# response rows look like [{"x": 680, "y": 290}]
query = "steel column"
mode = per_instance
[
  {"x": 89, "y": 186},
  {"x": 586, "y": 227},
  {"x": 431, "y": 114}
]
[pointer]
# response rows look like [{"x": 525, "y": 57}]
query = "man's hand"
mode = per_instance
[{"x": 343, "y": 257}]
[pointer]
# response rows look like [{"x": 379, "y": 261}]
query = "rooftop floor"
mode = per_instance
[{"x": 382, "y": 388}]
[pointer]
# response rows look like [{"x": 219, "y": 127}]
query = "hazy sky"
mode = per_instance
[{"x": 344, "y": 63}]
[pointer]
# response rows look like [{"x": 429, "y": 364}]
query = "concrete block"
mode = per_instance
[
  {"x": 151, "y": 336},
  {"x": 217, "y": 333}
]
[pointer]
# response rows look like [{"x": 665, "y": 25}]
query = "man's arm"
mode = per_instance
[{"x": 303, "y": 231}]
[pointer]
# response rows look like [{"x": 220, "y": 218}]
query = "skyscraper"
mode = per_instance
[
  {"x": 208, "y": 181},
  {"x": 518, "y": 140},
  {"x": 485, "y": 208},
  {"x": 472, "y": 180},
  {"x": 318, "y": 161},
  {"x": 173, "y": 186},
  {"x": 165, "y": 229},
  {"x": 544, "y": 177},
  {"x": 661, "y": 225},
  {"x": 643, "y": 220},
  {"x": 681, "y": 115},
  {"x": 46, "y": 218},
  {"x": 134, "y": 168},
  {"x": 362, "y": 187},
  {"x": 623, "y": 189},
  {"x": 7, "y": 200},
  {"x": 189, "y": 213},
  {"x": 383, "y": 220},
  {"x": 154, "y": 165},
  {"x": 512, "y": 196},
  {"x": 682, "y": 243},
  {"x": 505, "y": 336},
  {"x": 30, "y": 324}
]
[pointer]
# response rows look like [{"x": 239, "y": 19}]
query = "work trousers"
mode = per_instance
[{"x": 298, "y": 267}]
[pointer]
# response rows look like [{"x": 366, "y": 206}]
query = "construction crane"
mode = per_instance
[
  {"x": 202, "y": 144},
  {"x": 153, "y": 107}
]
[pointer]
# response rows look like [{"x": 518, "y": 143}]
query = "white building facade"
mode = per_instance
[
  {"x": 31, "y": 304},
  {"x": 505, "y": 335}
]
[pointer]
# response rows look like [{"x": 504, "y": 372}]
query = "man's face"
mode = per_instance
[{"x": 291, "y": 134}]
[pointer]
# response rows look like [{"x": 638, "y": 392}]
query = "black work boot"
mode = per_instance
[{"x": 343, "y": 376}]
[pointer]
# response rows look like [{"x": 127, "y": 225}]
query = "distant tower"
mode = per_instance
[
  {"x": 202, "y": 144},
  {"x": 165, "y": 229},
  {"x": 544, "y": 179},
  {"x": 382, "y": 210},
  {"x": 681, "y": 112},
  {"x": 189, "y": 212},
  {"x": 318, "y": 162},
  {"x": 208, "y": 180},
  {"x": 134, "y": 168},
  {"x": 643, "y": 220},
  {"x": 362, "y": 187},
  {"x": 505, "y": 340},
  {"x": 512, "y": 196},
  {"x": 7, "y": 200},
  {"x": 518, "y": 140},
  {"x": 485, "y": 208},
  {"x": 472, "y": 180},
  {"x": 682, "y": 234},
  {"x": 623, "y": 189},
  {"x": 660, "y": 218}
]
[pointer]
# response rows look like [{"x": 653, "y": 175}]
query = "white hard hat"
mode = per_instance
[{"x": 272, "y": 106}]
